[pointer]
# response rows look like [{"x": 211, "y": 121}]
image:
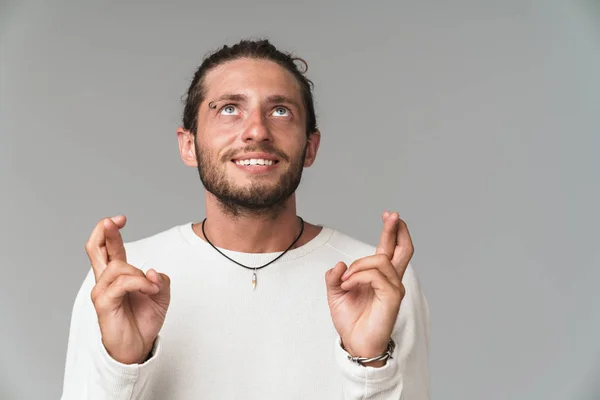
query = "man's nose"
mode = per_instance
[{"x": 257, "y": 129}]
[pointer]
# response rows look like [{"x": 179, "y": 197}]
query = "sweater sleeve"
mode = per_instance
[
  {"x": 90, "y": 372},
  {"x": 406, "y": 375}
]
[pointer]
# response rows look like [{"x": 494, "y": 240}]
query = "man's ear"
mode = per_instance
[
  {"x": 312, "y": 147},
  {"x": 187, "y": 147}
]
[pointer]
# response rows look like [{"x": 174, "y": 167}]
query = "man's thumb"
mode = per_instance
[
  {"x": 333, "y": 277},
  {"x": 164, "y": 283}
]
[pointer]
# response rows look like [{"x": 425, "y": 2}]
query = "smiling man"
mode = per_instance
[{"x": 252, "y": 302}]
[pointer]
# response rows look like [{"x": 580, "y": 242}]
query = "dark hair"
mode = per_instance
[{"x": 259, "y": 49}]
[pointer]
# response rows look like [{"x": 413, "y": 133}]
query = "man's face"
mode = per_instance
[{"x": 251, "y": 143}]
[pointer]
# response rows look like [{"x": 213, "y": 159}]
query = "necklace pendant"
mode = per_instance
[{"x": 254, "y": 279}]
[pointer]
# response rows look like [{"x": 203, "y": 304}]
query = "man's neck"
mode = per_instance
[{"x": 254, "y": 233}]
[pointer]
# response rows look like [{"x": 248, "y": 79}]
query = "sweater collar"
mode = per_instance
[{"x": 258, "y": 259}]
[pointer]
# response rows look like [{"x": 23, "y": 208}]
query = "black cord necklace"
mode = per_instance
[{"x": 254, "y": 280}]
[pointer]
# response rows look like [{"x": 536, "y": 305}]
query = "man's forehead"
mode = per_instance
[{"x": 251, "y": 76}]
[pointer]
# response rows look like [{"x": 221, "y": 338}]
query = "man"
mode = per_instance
[{"x": 252, "y": 302}]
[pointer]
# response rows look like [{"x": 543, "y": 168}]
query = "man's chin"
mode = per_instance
[
  {"x": 254, "y": 184},
  {"x": 241, "y": 178}
]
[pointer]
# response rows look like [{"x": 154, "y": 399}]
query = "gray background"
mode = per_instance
[{"x": 478, "y": 121}]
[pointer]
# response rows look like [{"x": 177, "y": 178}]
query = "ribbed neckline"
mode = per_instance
[{"x": 258, "y": 259}]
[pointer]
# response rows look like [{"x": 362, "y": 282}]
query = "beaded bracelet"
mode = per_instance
[{"x": 384, "y": 356}]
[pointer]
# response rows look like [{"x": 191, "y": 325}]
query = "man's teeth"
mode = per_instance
[{"x": 255, "y": 161}]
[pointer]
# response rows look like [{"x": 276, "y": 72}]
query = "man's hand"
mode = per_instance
[
  {"x": 364, "y": 299},
  {"x": 131, "y": 305}
]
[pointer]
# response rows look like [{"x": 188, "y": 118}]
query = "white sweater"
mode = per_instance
[{"x": 223, "y": 340}]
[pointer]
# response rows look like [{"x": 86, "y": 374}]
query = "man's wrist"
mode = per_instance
[
  {"x": 378, "y": 358},
  {"x": 150, "y": 353}
]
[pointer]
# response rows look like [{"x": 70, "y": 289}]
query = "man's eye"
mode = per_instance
[
  {"x": 281, "y": 112},
  {"x": 229, "y": 110}
]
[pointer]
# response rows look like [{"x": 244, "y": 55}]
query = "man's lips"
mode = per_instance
[
  {"x": 256, "y": 162},
  {"x": 256, "y": 168},
  {"x": 256, "y": 156}
]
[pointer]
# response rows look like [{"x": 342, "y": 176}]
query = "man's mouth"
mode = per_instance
[{"x": 255, "y": 161}]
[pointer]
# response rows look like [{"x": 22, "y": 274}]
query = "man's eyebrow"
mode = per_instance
[
  {"x": 278, "y": 98},
  {"x": 231, "y": 97}
]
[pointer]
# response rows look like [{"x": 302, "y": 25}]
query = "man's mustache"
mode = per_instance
[{"x": 256, "y": 149}]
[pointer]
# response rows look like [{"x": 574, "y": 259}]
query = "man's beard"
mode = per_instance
[{"x": 256, "y": 198}]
